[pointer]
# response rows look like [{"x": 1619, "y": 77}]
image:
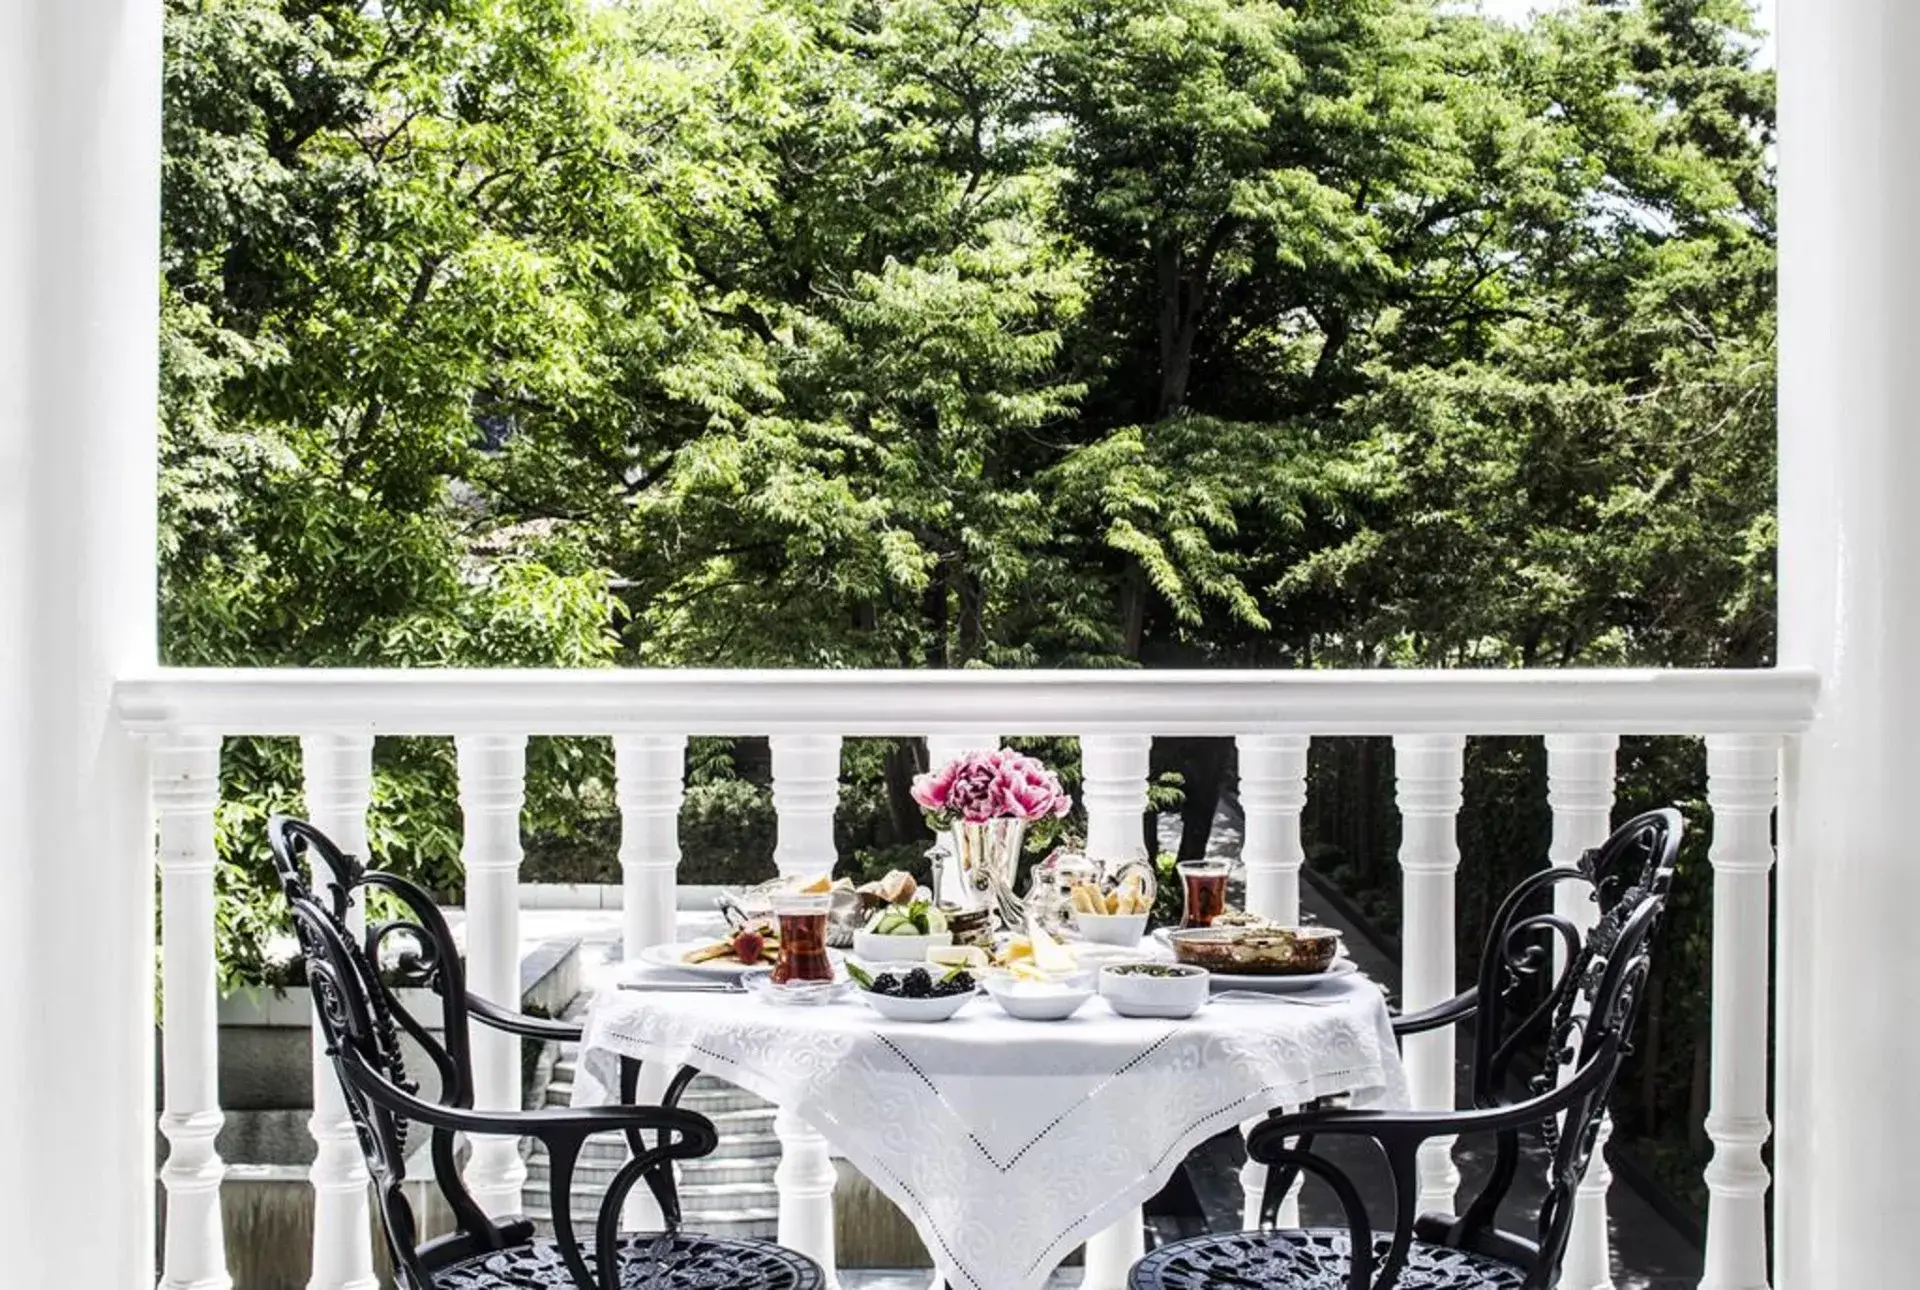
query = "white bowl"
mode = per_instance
[
  {"x": 1111, "y": 929},
  {"x": 871, "y": 947},
  {"x": 1136, "y": 994},
  {"x": 1039, "y": 1000},
  {"x": 899, "y": 1008}
]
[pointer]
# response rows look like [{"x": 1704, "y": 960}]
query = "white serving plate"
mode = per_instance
[{"x": 1293, "y": 983}]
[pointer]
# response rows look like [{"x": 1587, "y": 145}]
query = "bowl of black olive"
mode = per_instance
[
  {"x": 914, "y": 991},
  {"x": 1154, "y": 989}
]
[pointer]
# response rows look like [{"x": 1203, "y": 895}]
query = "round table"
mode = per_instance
[{"x": 1008, "y": 1143}]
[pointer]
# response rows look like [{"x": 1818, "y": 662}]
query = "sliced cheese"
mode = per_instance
[
  {"x": 1049, "y": 955},
  {"x": 966, "y": 956}
]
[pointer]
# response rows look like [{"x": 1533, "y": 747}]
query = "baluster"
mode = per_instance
[
  {"x": 339, "y": 786},
  {"x": 806, "y": 789},
  {"x": 186, "y": 788},
  {"x": 650, "y": 777},
  {"x": 1273, "y": 793},
  {"x": 650, "y": 774},
  {"x": 1427, "y": 772},
  {"x": 492, "y": 790},
  {"x": 1114, "y": 785},
  {"x": 1580, "y": 794},
  {"x": 1742, "y": 786}
]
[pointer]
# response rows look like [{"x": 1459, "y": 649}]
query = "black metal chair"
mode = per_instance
[
  {"x": 361, "y": 1019},
  {"x": 1573, "y": 1019}
]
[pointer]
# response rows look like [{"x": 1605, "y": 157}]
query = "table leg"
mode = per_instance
[
  {"x": 641, "y": 1212},
  {"x": 806, "y": 1179},
  {"x": 1112, "y": 1253},
  {"x": 1253, "y": 1182}
]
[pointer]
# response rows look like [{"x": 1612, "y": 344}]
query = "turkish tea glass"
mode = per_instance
[
  {"x": 803, "y": 938},
  {"x": 1206, "y": 891}
]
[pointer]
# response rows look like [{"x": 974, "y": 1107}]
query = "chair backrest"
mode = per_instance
[
  {"x": 1565, "y": 1004},
  {"x": 361, "y": 1019}
]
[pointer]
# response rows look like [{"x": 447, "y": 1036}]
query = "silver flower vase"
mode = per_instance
[{"x": 986, "y": 856}]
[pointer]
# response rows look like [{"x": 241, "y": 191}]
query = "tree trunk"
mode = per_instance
[
  {"x": 972, "y": 630},
  {"x": 933, "y": 615},
  {"x": 903, "y": 813}
]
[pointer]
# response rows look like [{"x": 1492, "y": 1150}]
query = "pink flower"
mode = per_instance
[
  {"x": 981, "y": 786},
  {"x": 933, "y": 789}
]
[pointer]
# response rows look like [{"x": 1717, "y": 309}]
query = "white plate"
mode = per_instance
[
  {"x": 1297, "y": 983},
  {"x": 670, "y": 956}
]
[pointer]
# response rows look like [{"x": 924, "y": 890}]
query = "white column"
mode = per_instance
[
  {"x": 1580, "y": 794},
  {"x": 1427, "y": 771},
  {"x": 1273, "y": 793},
  {"x": 806, "y": 789},
  {"x": 1742, "y": 787},
  {"x": 79, "y": 259},
  {"x": 650, "y": 774},
  {"x": 1114, "y": 785},
  {"x": 1847, "y": 1145},
  {"x": 186, "y": 788},
  {"x": 339, "y": 787},
  {"x": 493, "y": 772}
]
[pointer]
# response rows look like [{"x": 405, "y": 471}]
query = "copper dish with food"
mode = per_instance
[{"x": 1257, "y": 951}]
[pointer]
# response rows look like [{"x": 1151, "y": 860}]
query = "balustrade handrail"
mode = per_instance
[{"x": 1631, "y": 701}]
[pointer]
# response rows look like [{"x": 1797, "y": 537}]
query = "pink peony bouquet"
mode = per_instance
[{"x": 982, "y": 786}]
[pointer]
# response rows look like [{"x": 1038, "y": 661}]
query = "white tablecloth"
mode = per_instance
[{"x": 1009, "y": 1143}]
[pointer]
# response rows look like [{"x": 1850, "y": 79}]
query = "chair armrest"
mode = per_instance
[
  {"x": 1449, "y": 1012},
  {"x": 1391, "y": 1128},
  {"x": 694, "y": 1133},
  {"x": 518, "y": 1023}
]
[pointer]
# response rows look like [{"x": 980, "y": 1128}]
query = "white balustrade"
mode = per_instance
[
  {"x": 1427, "y": 772},
  {"x": 1273, "y": 795},
  {"x": 1742, "y": 787},
  {"x": 339, "y": 787},
  {"x": 649, "y": 775},
  {"x": 186, "y": 788},
  {"x": 492, "y": 789},
  {"x": 806, "y": 788},
  {"x": 1580, "y": 794},
  {"x": 1741, "y": 716}
]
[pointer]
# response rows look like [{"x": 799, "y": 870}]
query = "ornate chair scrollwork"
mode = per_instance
[
  {"x": 1546, "y": 996},
  {"x": 361, "y": 1020}
]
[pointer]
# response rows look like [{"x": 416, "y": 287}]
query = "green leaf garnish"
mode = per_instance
[
  {"x": 949, "y": 974},
  {"x": 861, "y": 977}
]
